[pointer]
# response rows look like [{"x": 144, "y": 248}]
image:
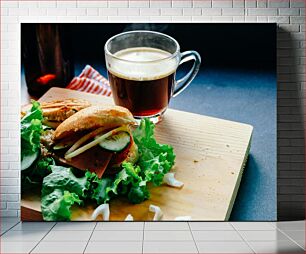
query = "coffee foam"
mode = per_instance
[{"x": 138, "y": 65}]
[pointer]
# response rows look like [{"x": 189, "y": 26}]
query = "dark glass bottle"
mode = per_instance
[{"x": 47, "y": 57}]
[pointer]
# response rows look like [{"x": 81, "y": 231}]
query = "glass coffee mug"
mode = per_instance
[{"x": 141, "y": 69}]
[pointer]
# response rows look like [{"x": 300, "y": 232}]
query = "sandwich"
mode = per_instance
[
  {"x": 94, "y": 155},
  {"x": 97, "y": 139}
]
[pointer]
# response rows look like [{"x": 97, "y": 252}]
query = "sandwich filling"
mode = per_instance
[{"x": 98, "y": 151}]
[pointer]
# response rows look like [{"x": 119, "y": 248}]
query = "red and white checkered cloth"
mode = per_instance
[{"x": 90, "y": 81}]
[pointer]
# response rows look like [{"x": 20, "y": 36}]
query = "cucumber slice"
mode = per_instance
[
  {"x": 62, "y": 145},
  {"x": 117, "y": 142},
  {"x": 28, "y": 160}
]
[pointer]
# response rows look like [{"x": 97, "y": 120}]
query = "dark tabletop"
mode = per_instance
[{"x": 247, "y": 97}]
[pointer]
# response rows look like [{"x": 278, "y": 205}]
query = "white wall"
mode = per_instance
[{"x": 289, "y": 14}]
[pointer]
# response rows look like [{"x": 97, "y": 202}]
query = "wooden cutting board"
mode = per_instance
[{"x": 210, "y": 157}]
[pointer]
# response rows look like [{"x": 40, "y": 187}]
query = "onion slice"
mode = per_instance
[
  {"x": 158, "y": 212},
  {"x": 84, "y": 139},
  {"x": 101, "y": 209},
  {"x": 182, "y": 218},
  {"x": 170, "y": 180},
  {"x": 129, "y": 218},
  {"x": 94, "y": 142}
]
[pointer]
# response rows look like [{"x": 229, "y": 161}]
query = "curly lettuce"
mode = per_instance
[
  {"x": 128, "y": 182},
  {"x": 56, "y": 205},
  {"x": 60, "y": 190},
  {"x": 31, "y": 128},
  {"x": 64, "y": 179},
  {"x": 96, "y": 190},
  {"x": 155, "y": 160},
  {"x": 34, "y": 175}
]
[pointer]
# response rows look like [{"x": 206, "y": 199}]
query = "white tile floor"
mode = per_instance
[{"x": 149, "y": 237}]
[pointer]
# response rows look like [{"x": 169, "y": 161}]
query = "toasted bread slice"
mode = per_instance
[
  {"x": 55, "y": 112},
  {"x": 61, "y": 110}
]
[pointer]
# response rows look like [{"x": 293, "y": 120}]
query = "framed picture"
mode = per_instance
[{"x": 148, "y": 122}]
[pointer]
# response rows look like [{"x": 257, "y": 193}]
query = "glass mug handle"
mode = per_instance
[{"x": 183, "y": 83}]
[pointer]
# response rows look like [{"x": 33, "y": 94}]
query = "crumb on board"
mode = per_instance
[
  {"x": 195, "y": 161},
  {"x": 232, "y": 173},
  {"x": 227, "y": 145}
]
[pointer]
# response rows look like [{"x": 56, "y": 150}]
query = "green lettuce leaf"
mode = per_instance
[
  {"x": 97, "y": 187},
  {"x": 31, "y": 128},
  {"x": 34, "y": 175},
  {"x": 34, "y": 113},
  {"x": 138, "y": 194},
  {"x": 128, "y": 182},
  {"x": 56, "y": 205},
  {"x": 155, "y": 160},
  {"x": 60, "y": 190},
  {"x": 63, "y": 178}
]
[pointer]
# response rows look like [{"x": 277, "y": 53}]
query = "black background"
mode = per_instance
[{"x": 220, "y": 45}]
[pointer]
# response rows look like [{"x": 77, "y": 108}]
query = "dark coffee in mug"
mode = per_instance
[
  {"x": 141, "y": 69},
  {"x": 144, "y": 89}
]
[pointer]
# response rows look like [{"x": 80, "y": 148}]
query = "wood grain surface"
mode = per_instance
[{"x": 210, "y": 158}]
